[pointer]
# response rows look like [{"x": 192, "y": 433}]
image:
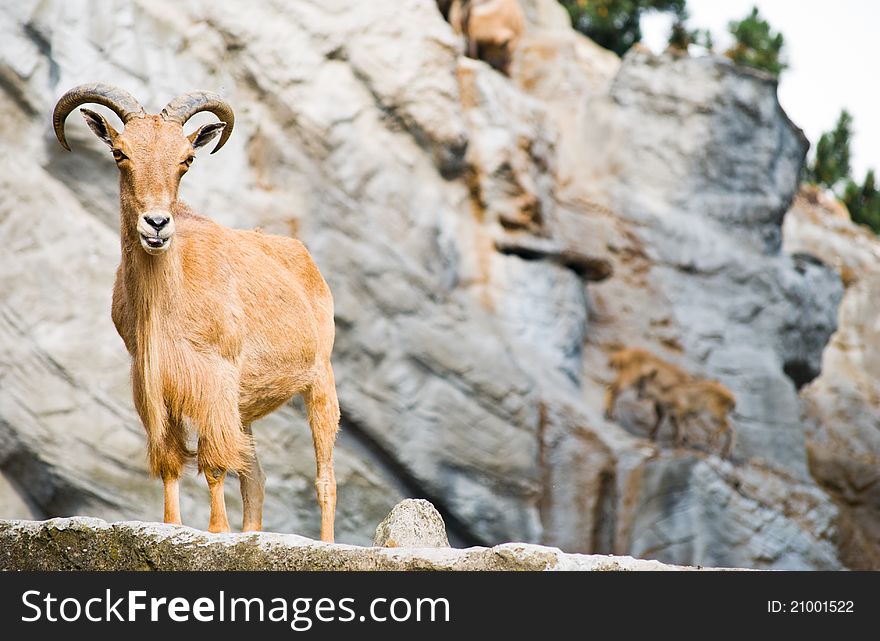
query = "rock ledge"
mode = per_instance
[{"x": 81, "y": 543}]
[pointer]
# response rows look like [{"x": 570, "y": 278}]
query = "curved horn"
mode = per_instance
[
  {"x": 188, "y": 105},
  {"x": 120, "y": 101}
]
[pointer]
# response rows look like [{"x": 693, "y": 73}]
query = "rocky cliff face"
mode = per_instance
[
  {"x": 487, "y": 240},
  {"x": 841, "y": 408}
]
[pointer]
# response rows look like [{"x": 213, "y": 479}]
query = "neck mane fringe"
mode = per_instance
[{"x": 154, "y": 287}]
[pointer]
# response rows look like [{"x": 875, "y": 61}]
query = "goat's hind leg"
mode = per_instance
[
  {"x": 219, "y": 521},
  {"x": 323, "y": 408},
  {"x": 660, "y": 414},
  {"x": 253, "y": 483}
]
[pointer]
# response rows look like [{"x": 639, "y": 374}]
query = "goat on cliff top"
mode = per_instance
[
  {"x": 223, "y": 326},
  {"x": 491, "y": 28}
]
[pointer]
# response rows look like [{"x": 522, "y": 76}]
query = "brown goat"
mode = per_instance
[
  {"x": 692, "y": 399},
  {"x": 492, "y": 29},
  {"x": 674, "y": 393},
  {"x": 223, "y": 326},
  {"x": 635, "y": 365}
]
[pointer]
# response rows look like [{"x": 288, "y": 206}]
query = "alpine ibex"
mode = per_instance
[
  {"x": 675, "y": 394},
  {"x": 693, "y": 399},
  {"x": 633, "y": 366},
  {"x": 223, "y": 326}
]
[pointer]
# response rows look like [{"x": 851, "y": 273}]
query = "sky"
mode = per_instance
[{"x": 831, "y": 49}]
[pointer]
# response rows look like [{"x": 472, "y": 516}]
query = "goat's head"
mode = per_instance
[{"x": 152, "y": 152}]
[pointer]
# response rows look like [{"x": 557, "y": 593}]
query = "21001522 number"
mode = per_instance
[{"x": 810, "y": 607}]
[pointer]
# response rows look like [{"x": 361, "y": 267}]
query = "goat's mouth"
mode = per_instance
[
  {"x": 155, "y": 244},
  {"x": 156, "y": 229}
]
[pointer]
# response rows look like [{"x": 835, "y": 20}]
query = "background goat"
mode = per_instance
[
  {"x": 492, "y": 28},
  {"x": 223, "y": 326},
  {"x": 634, "y": 365},
  {"x": 692, "y": 399},
  {"x": 675, "y": 394}
]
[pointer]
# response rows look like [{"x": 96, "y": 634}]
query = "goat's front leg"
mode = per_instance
[
  {"x": 166, "y": 438},
  {"x": 678, "y": 424},
  {"x": 219, "y": 522},
  {"x": 223, "y": 444},
  {"x": 611, "y": 393},
  {"x": 172, "y": 499},
  {"x": 660, "y": 413},
  {"x": 727, "y": 431},
  {"x": 728, "y": 445},
  {"x": 174, "y": 453}
]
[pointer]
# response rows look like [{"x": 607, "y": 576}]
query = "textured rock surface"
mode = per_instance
[
  {"x": 91, "y": 544},
  {"x": 413, "y": 523},
  {"x": 842, "y": 406},
  {"x": 699, "y": 163},
  {"x": 464, "y": 221},
  {"x": 708, "y": 182}
]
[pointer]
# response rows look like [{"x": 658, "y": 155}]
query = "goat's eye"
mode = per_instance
[
  {"x": 189, "y": 160},
  {"x": 118, "y": 156}
]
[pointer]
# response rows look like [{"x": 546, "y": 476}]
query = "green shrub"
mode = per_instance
[
  {"x": 615, "y": 24},
  {"x": 830, "y": 167},
  {"x": 756, "y": 44},
  {"x": 863, "y": 202}
]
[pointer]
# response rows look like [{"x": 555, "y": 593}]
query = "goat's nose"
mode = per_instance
[{"x": 157, "y": 222}]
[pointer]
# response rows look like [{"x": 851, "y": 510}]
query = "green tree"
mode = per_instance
[
  {"x": 615, "y": 24},
  {"x": 830, "y": 167},
  {"x": 681, "y": 36},
  {"x": 707, "y": 41},
  {"x": 756, "y": 44},
  {"x": 863, "y": 202}
]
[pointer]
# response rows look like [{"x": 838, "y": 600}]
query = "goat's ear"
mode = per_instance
[
  {"x": 100, "y": 126},
  {"x": 205, "y": 134}
]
